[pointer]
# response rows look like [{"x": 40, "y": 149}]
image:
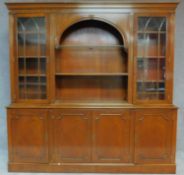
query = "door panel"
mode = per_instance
[
  {"x": 112, "y": 136},
  {"x": 70, "y": 136},
  {"x": 153, "y": 134},
  {"x": 28, "y": 136}
]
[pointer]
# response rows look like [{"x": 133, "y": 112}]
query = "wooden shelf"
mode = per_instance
[
  {"x": 32, "y": 75},
  {"x": 32, "y": 32},
  {"x": 91, "y": 102},
  {"x": 32, "y": 84},
  {"x": 33, "y": 93},
  {"x": 29, "y": 57},
  {"x": 150, "y": 81},
  {"x": 151, "y": 57},
  {"x": 90, "y": 46},
  {"x": 91, "y": 74},
  {"x": 151, "y": 32},
  {"x": 153, "y": 90},
  {"x": 151, "y": 93}
]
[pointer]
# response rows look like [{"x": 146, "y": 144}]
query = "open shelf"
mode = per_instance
[
  {"x": 90, "y": 46},
  {"x": 91, "y": 74},
  {"x": 91, "y": 102},
  {"x": 98, "y": 89}
]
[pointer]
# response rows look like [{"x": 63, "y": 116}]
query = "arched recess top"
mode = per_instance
[{"x": 108, "y": 26}]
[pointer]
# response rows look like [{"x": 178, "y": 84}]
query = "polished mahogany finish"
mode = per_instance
[{"x": 91, "y": 86}]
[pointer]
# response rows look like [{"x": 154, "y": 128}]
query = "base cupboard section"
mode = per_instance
[
  {"x": 88, "y": 135},
  {"x": 112, "y": 136},
  {"x": 155, "y": 136},
  {"x": 28, "y": 136},
  {"x": 103, "y": 137},
  {"x": 70, "y": 135}
]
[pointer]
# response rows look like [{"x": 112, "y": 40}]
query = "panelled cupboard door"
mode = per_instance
[
  {"x": 112, "y": 136},
  {"x": 28, "y": 136},
  {"x": 154, "y": 134},
  {"x": 70, "y": 135}
]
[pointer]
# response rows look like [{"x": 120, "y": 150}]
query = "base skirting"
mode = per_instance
[{"x": 92, "y": 168}]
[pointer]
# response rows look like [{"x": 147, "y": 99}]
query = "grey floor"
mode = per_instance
[{"x": 3, "y": 167}]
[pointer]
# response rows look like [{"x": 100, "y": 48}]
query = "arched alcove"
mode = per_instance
[
  {"x": 96, "y": 24},
  {"x": 98, "y": 41},
  {"x": 91, "y": 52}
]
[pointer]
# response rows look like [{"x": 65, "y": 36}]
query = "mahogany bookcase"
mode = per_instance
[{"x": 92, "y": 86}]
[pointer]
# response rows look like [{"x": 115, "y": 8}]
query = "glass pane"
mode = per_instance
[
  {"x": 43, "y": 80},
  {"x": 29, "y": 24},
  {"x": 146, "y": 24},
  {"x": 41, "y": 23},
  {"x": 32, "y": 87},
  {"x": 20, "y": 25},
  {"x": 31, "y": 52},
  {"x": 32, "y": 66},
  {"x": 22, "y": 89},
  {"x": 32, "y": 36},
  {"x": 43, "y": 92},
  {"x": 162, "y": 45},
  {"x": 43, "y": 65},
  {"x": 31, "y": 45},
  {"x": 43, "y": 87},
  {"x": 42, "y": 45},
  {"x": 151, "y": 78},
  {"x": 21, "y": 66},
  {"x": 147, "y": 45},
  {"x": 151, "y": 90},
  {"x": 35, "y": 24},
  {"x": 151, "y": 69},
  {"x": 151, "y": 58},
  {"x": 21, "y": 44}
]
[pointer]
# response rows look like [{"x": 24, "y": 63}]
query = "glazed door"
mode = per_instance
[
  {"x": 154, "y": 135},
  {"x": 153, "y": 57},
  {"x": 70, "y": 132},
  {"x": 112, "y": 136},
  {"x": 28, "y": 136},
  {"x": 31, "y": 58}
]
